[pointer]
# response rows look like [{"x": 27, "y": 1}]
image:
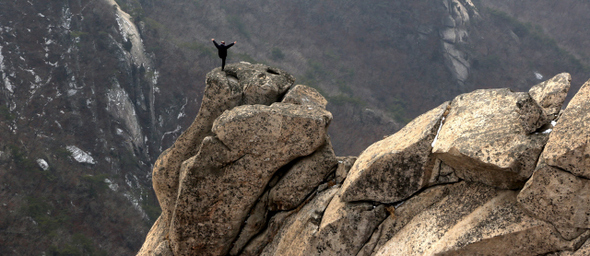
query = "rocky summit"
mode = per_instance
[{"x": 492, "y": 172}]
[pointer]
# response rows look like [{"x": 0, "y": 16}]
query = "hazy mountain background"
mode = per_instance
[{"x": 92, "y": 91}]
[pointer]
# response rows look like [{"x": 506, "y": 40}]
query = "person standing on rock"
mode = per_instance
[{"x": 222, "y": 50}]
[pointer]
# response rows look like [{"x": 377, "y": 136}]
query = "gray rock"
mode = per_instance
[
  {"x": 487, "y": 137},
  {"x": 395, "y": 168},
  {"x": 551, "y": 94},
  {"x": 456, "y": 61},
  {"x": 448, "y": 21},
  {"x": 302, "y": 178},
  {"x": 568, "y": 147}
]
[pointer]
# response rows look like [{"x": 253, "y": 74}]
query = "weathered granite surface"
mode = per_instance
[{"x": 485, "y": 174}]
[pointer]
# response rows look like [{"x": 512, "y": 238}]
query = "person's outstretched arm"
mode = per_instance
[
  {"x": 216, "y": 45},
  {"x": 230, "y": 45}
]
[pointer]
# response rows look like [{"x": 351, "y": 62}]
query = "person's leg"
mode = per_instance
[{"x": 222, "y": 63}]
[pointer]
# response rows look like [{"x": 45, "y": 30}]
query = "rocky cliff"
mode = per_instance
[
  {"x": 78, "y": 129},
  {"x": 92, "y": 91},
  {"x": 492, "y": 172}
]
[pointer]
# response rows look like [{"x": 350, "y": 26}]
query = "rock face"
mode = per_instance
[
  {"x": 559, "y": 190},
  {"x": 393, "y": 169},
  {"x": 569, "y": 143},
  {"x": 456, "y": 21},
  {"x": 474, "y": 219},
  {"x": 224, "y": 180},
  {"x": 255, "y": 176},
  {"x": 489, "y": 137},
  {"x": 558, "y": 197},
  {"x": 302, "y": 179}
]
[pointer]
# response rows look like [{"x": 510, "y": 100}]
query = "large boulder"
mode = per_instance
[
  {"x": 489, "y": 136},
  {"x": 241, "y": 83},
  {"x": 224, "y": 180},
  {"x": 550, "y": 94},
  {"x": 394, "y": 168},
  {"x": 473, "y": 219},
  {"x": 275, "y": 131},
  {"x": 260, "y": 83},
  {"x": 568, "y": 147},
  {"x": 304, "y": 95}
]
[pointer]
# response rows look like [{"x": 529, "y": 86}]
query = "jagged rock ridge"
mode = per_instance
[{"x": 492, "y": 172}]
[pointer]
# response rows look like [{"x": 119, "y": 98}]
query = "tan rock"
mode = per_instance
[
  {"x": 258, "y": 243},
  {"x": 156, "y": 242},
  {"x": 558, "y": 197},
  {"x": 402, "y": 214},
  {"x": 219, "y": 96},
  {"x": 239, "y": 84},
  {"x": 345, "y": 227},
  {"x": 254, "y": 223},
  {"x": 551, "y": 94},
  {"x": 474, "y": 219},
  {"x": 569, "y": 143},
  {"x": 305, "y": 95},
  {"x": 394, "y": 168},
  {"x": 220, "y": 185},
  {"x": 302, "y": 178},
  {"x": 487, "y": 137},
  {"x": 584, "y": 250},
  {"x": 273, "y": 131},
  {"x": 298, "y": 231}
]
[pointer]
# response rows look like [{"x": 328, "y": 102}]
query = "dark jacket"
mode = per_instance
[{"x": 222, "y": 49}]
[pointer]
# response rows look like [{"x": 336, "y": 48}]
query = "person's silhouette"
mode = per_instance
[{"x": 222, "y": 50}]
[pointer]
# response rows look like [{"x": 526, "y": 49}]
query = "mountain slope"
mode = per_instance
[
  {"x": 76, "y": 129},
  {"x": 92, "y": 91},
  {"x": 395, "y": 59}
]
